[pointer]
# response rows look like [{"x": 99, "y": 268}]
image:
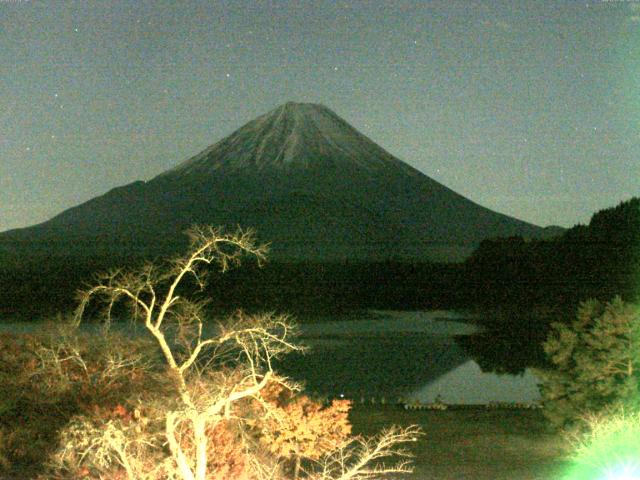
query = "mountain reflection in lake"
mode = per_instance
[
  {"x": 391, "y": 354},
  {"x": 400, "y": 354}
]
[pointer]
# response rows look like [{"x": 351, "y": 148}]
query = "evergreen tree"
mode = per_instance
[{"x": 596, "y": 360}]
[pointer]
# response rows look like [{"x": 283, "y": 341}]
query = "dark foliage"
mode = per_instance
[
  {"x": 521, "y": 287},
  {"x": 600, "y": 260},
  {"x": 39, "y": 287},
  {"x": 512, "y": 344}
]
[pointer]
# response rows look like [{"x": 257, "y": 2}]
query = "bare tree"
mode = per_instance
[
  {"x": 207, "y": 397},
  {"x": 363, "y": 459}
]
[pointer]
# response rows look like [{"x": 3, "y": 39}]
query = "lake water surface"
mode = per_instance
[{"x": 391, "y": 354}]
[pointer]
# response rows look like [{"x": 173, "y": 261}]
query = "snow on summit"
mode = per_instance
[{"x": 304, "y": 135}]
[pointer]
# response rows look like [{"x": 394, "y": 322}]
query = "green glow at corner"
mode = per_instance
[
  {"x": 611, "y": 451},
  {"x": 616, "y": 470},
  {"x": 625, "y": 471}
]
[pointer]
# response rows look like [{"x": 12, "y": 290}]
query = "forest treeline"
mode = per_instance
[
  {"x": 39, "y": 289},
  {"x": 521, "y": 287},
  {"x": 599, "y": 260},
  {"x": 515, "y": 276}
]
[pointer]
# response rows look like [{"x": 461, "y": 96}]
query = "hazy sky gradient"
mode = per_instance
[{"x": 531, "y": 108}]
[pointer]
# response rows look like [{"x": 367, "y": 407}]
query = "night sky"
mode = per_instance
[{"x": 531, "y": 108}]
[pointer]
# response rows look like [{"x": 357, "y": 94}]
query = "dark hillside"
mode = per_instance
[
  {"x": 521, "y": 286},
  {"x": 599, "y": 260}
]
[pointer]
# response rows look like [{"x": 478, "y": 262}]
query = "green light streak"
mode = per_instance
[
  {"x": 629, "y": 470},
  {"x": 611, "y": 451}
]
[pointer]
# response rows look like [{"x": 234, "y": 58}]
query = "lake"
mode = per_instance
[{"x": 391, "y": 354}]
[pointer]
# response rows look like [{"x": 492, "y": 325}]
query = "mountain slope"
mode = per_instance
[{"x": 306, "y": 180}]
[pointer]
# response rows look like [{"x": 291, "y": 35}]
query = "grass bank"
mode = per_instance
[{"x": 473, "y": 443}]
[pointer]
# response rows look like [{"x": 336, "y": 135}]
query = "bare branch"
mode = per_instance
[{"x": 360, "y": 459}]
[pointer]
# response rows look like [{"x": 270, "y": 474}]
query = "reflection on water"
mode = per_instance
[
  {"x": 378, "y": 322},
  {"x": 410, "y": 354},
  {"x": 402, "y": 354},
  {"x": 388, "y": 365},
  {"x": 467, "y": 384}
]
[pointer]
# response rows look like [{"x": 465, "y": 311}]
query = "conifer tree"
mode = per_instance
[{"x": 596, "y": 362}]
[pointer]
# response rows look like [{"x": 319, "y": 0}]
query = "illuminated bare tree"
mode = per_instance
[
  {"x": 212, "y": 374},
  {"x": 362, "y": 458}
]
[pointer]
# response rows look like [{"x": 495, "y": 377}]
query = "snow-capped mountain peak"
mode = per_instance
[{"x": 298, "y": 135}]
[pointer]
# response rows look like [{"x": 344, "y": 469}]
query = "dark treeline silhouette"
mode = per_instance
[
  {"x": 600, "y": 260},
  {"x": 343, "y": 286},
  {"x": 39, "y": 287},
  {"x": 522, "y": 286}
]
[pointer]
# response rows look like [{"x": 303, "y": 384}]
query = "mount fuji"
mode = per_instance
[{"x": 306, "y": 181}]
